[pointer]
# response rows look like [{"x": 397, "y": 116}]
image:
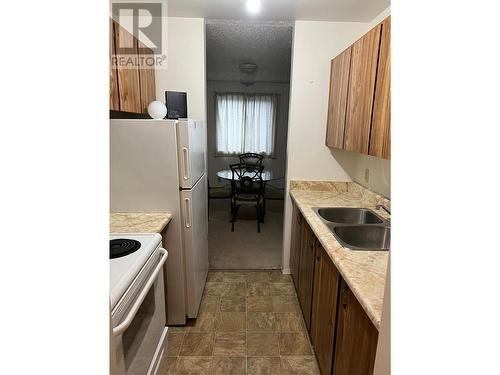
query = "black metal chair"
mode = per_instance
[
  {"x": 247, "y": 187},
  {"x": 217, "y": 192},
  {"x": 251, "y": 159}
]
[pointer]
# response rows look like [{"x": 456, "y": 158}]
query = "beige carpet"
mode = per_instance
[{"x": 244, "y": 248}]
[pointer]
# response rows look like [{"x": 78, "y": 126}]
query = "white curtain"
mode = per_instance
[{"x": 245, "y": 123}]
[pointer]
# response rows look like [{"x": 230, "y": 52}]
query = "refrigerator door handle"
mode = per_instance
[
  {"x": 187, "y": 166},
  {"x": 187, "y": 213}
]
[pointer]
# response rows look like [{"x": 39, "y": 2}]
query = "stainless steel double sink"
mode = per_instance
[{"x": 357, "y": 228}]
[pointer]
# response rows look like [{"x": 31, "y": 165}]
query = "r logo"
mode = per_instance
[{"x": 144, "y": 22}]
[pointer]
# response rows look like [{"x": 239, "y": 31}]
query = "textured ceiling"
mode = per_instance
[
  {"x": 230, "y": 43},
  {"x": 315, "y": 10}
]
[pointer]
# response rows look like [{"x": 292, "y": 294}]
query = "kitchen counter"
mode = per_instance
[
  {"x": 138, "y": 222},
  {"x": 364, "y": 271}
]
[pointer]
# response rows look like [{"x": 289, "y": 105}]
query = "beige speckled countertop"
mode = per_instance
[
  {"x": 138, "y": 222},
  {"x": 364, "y": 271}
]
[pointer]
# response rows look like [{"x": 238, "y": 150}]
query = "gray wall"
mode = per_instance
[{"x": 277, "y": 164}]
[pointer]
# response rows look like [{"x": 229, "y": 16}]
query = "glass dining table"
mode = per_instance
[{"x": 267, "y": 175}]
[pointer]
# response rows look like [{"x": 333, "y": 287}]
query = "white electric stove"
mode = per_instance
[
  {"x": 124, "y": 269},
  {"x": 137, "y": 301}
]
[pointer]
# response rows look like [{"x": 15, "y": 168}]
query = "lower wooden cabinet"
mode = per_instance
[
  {"x": 356, "y": 337},
  {"x": 324, "y": 309},
  {"x": 306, "y": 272},
  {"x": 343, "y": 336}
]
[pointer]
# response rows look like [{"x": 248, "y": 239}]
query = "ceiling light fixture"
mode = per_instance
[
  {"x": 247, "y": 73},
  {"x": 253, "y": 6}
]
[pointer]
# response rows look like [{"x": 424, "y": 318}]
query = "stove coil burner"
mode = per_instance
[{"x": 121, "y": 247}]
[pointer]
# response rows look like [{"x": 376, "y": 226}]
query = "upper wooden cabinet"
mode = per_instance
[
  {"x": 114, "y": 100},
  {"x": 339, "y": 80},
  {"x": 380, "y": 141},
  {"x": 361, "y": 88},
  {"x": 147, "y": 82},
  {"x": 132, "y": 87},
  {"x": 128, "y": 76},
  {"x": 359, "y": 101}
]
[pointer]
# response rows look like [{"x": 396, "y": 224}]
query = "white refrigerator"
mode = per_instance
[{"x": 160, "y": 166}]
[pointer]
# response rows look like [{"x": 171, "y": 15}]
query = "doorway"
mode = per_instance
[{"x": 247, "y": 63}]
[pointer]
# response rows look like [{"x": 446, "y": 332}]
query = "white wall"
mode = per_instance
[
  {"x": 315, "y": 44},
  {"x": 186, "y": 64},
  {"x": 379, "y": 170},
  {"x": 276, "y": 164}
]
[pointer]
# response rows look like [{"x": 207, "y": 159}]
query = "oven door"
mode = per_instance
[{"x": 140, "y": 337}]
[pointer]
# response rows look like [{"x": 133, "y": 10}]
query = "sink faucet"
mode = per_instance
[{"x": 381, "y": 206}]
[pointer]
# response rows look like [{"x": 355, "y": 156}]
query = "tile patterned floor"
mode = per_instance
[{"x": 249, "y": 323}]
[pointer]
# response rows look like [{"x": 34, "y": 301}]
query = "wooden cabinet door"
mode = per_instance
[
  {"x": 146, "y": 78},
  {"x": 324, "y": 309},
  {"x": 128, "y": 74},
  {"x": 306, "y": 272},
  {"x": 337, "y": 102},
  {"x": 356, "y": 337},
  {"x": 380, "y": 140},
  {"x": 114, "y": 99},
  {"x": 362, "y": 75},
  {"x": 295, "y": 245}
]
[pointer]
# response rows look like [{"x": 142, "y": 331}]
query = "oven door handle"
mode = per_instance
[{"x": 122, "y": 327}]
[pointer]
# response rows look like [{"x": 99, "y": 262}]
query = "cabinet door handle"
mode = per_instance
[{"x": 344, "y": 298}]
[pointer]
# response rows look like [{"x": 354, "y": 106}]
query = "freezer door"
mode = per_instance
[
  {"x": 191, "y": 151},
  {"x": 195, "y": 226}
]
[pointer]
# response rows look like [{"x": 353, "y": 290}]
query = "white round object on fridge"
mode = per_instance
[{"x": 157, "y": 110}]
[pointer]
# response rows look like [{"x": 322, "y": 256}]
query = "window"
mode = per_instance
[{"x": 245, "y": 123}]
